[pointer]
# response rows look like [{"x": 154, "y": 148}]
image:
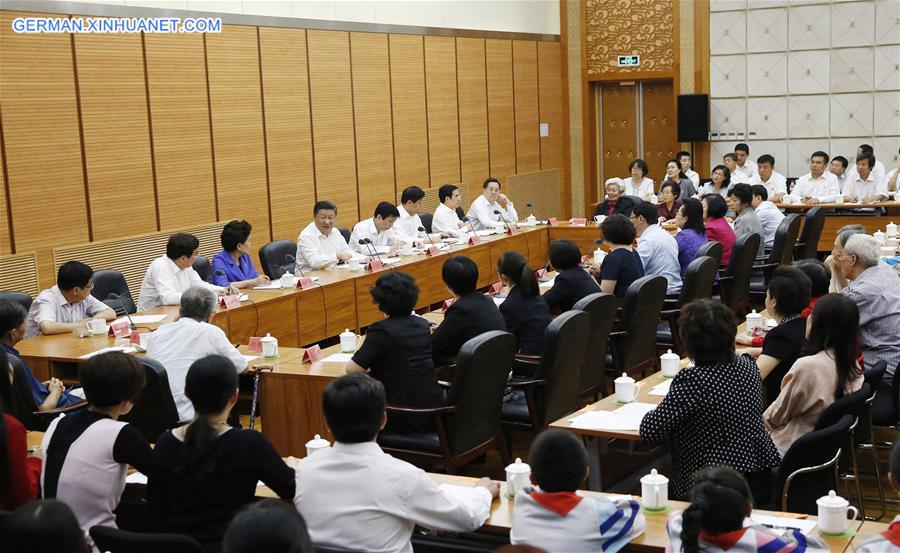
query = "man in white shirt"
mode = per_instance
[
  {"x": 684, "y": 159},
  {"x": 775, "y": 183},
  {"x": 838, "y": 168},
  {"x": 878, "y": 170},
  {"x": 863, "y": 188},
  {"x": 170, "y": 275},
  {"x": 377, "y": 229},
  {"x": 817, "y": 186},
  {"x": 320, "y": 244},
  {"x": 177, "y": 345},
  {"x": 657, "y": 248},
  {"x": 67, "y": 306},
  {"x": 730, "y": 162},
  {"x": 744, "y": 164},
  {"x": 768, "y": 214},
  {"x": 445, "y": 217},
  {"x": 355, "y": 496},
  {"x": 482, "y": 211},
  {"x": 409, "y": 223}
]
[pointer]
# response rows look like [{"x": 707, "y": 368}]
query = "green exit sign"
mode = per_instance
[{"x": 633, "y": 60}]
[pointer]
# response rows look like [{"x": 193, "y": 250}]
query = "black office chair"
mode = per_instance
[
  {"x": 20, "y": 297},
  {"x": 808, "y": 241},
  {"x": 460, "y": 212},
  {"x": 602, "y": 310},
  {"x": 633, "y": 343},
  {"x": 711, "y": 249},
  {"x": 426, "y": 219},
  {"x": 734, "y": 282},
  {"x": 697, "y": 284},
  {"x": 345, "y": 233},
  {"x": 782, "y": 253},
  {"x": 114, "y": 540},
  {"x": 154, "y": 411},
  {"x": 109, "y": 281},
  {"x": 23, "y": 405},
  {"x": 203, "y": 268},
  {"x": 863, "y": 438},
  {"x": 273, "y": 258}
]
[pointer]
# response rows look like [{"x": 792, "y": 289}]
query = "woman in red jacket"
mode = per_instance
[{"x": 19, "y": 473}]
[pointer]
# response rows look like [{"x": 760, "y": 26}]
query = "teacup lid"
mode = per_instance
[
  {"x": 347, "y": 332},
  {"x": 832, "y": 500},
  {"x": 318, "y": 441},
  {"x": 669, "y": 355},
  {"x": 267, "y": 338},
  {"x": 518, "y": 467},
  {"x": 754, "y": 314},
  {"x": 624, "y": 378},
  {"x": 654, "y": 478}
]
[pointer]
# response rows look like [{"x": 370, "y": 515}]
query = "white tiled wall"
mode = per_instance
[
  {"x": 522, "y": 16},
  {"x": 789, "y": 77}
]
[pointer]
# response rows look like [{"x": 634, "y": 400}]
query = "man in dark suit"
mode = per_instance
[
  {"x": 572, "y": 283},
  {"x": 615, "y": 202}
]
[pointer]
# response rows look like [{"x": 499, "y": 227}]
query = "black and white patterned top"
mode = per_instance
[{"x": 712, "y": 415}]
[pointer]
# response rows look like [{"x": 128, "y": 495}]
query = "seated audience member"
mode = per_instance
[
  {"x": 889, "y": 540},
  {"x": 692, "y": 234},
  {"x": 170, "y": 275},
  {"x": 668, "y": 204},
  {"x": 838, "y": 282},
  {"x": 615, "y": 202},
  {"x": 718, "y": 520},
  {"x": 892, "y": 181},
  {"x": 492, "y": 210},
  {"x": 638, "y": 184},
  {"x": 674, "y": 175},
  {"x": 177, "y": 345},
  {"x": 746, "y": 222},
  {"x": 409, "y": 223},
  {"x": 817, "y": 186},
  {"x": 320, "y": 244},
  {"x": 524, "y": 310},
  {"x": 234, "y": 262},
  {"x": 827, "y": 371},
  {"x": 42, "y": 527},
  {"x": 47, "y": 395},
  {"x": 862, "y": 186},
  {"x": 691, "y": 418},
  {"x": 471, "y": 314},
  {"x": 819, "y": 277},
  {"x": 354, "y": 496},
  {"x": 623, "y": 265},
  {"x": 717, "y": 227},
  {"x": 379, "y": 231},
  {"x": 774, "y": 182},
  {"x": 572, "y": 282},
  {"x": 445, "y": 218},
  {"x": 67, "y": 306},
  {"x": 555, "y": 517},
  {"x": 87, "y": 453},
  {"x": 745, "y": 165},
  {"x": 720, "y": 182},
  {"x": 397, "y": 352},
  {"x": 657, "y": 248},
  {"x": 877, "y": 168},
  {"x": 729, "y": 160},
  {"x": 205, "y": 471},
  {"x": 684, "y": 160},
  {"x": 20, "y": 472},
  {"x": 769, "y": 216},
  {"x": 838, "y": 168},
  {"x": 787, "y": 295},
  {"x": 267, "y": 525}
]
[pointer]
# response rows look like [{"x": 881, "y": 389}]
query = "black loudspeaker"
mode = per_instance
[{"x": 693, "y": 118}]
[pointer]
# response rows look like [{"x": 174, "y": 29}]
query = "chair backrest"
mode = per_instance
[
  {"x": 20, "y": 297},
  {"x": 479, "y": 380},
  {"x": 461, "y": 213},
  {"x": 851, "y": 404},
  {"x": 698, "y": 279},
  {"x": 114, "y": 540},
  {"x": 564, "y": 343},
  {"x": 426, "y": 220},
  {"x": 813, "y": 223},
  {"x": 636, "y": 200},
  {"x": 785, "y": 239},
  {"x": 874, "y": 375},
  {"x": 739, "y": 268},
  {"x": 345, "y": 232},
  {"x": 154, "y": 411},
  {"x": 110, "y": 281},
  {"x": 602, "y": 310},
  {"x": 815, "y": 450},
  {"x": 711, "y": 249},
  {"x": 273, "y": 257},
  {"x": 23, "y": 404},
  {"x": 640, "y": 314},
  {"x": 203, "y": 268}
]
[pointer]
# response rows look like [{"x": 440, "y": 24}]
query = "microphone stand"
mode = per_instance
[{"x": 117, "y": 297}]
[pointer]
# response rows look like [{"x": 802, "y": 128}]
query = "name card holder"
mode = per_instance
[
  {"x": 374, "y": 265},
  {"x": 432, "y": 251},
  {"x": 231, "y": 301},
  {"x": 579, "y": 222},
  {"x": 474, "y": 240},
  {"x": 541, "y": 275},
  {"x": 495, "y": 288},
  {"x": 447, "y": 304},
  {"x": 120, "y": 329},
  {"x": 304, "y": 283},
  {"x": 512, "y": 228},
  {"x": 255, "y": 346},
  {"x": 585, "y": 259},
  {"x": 135, "y": 338},
  {"x": 552, "y": 222},
  {"x": 312, "y": 354}
]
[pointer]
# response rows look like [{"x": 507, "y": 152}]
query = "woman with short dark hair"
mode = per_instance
[
  {"x": 717, "y": 227},
  {"x": 638, "y": 184},
  {"x": 692, "y": 232},
  {"x": 267, "y": 525},
  {"x": 623, "y": 264},
  {"x": 233, "y": 264},
  {"x": 571, "y": 282}
]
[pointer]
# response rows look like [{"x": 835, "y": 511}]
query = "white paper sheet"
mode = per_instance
[
  {"x": 635, "y": 408},
  {"x": 123, "y": 349},
  {"x": 77, "y": 392},
  {"x": 498, "y": 301},
  {"x": 391, "y": 260},
  {"x": 276, "y": 285},
  {"x": 136, "y": 478},
  {"x": 607, "y": 420},
  {"x": 142, "y": 319},
  {"x": 338, "y": 358},
  {"x": 782, "y": 523},
  {"x": 485, "y": 232},
  {"x": 546, "y": 285},
  {"x": 461, "y": 494},
  {"x": 661, "y": 389}
]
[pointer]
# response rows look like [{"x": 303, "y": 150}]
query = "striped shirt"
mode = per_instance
[{"x": 876, "y": 292}]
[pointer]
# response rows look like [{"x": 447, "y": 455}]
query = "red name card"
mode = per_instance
[
  {"x": 512, "y": 228},
  {"x": 374, "y": 265},
  {"x": 495, "y": 288},
  {"x": 135, "y": 338},
  {"x": 579, "y": 222},
  {"x": 447, "y": 304},
  {"x": 120, "y": 329},
  {"x": 585, "y": 259},
  {"x": 312, "y": 354},
  {"x": 231, "y": 301},
  {"x": 432, "y": 251},
  {"x": 255, "y": 345},
  {"x": 552, "y": 221},
  {"x": 541, "y": 274},
  {"x": 474, "y": 240},
  {"x": 304, "y": 283}
]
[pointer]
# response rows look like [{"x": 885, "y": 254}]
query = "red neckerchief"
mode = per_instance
[
  {"x": 893, "y": 533},
  {"x": 611, "y": 208},
  {"x": 558, "y": 502},
  {"x": 724, "y": 541}
]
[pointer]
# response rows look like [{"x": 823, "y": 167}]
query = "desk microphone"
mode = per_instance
[
  {"x": 116, "y": 297},
  {"x": 422, "y": 229},
  {"x": 469, "y": 222},
  {"x": 290, "y": 265},
  {"x": 371, "y": 248},
  {"x": 531, "y": 206},
  {"x": 502, "y": 220}
]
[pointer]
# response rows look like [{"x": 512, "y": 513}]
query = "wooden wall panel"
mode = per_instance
[
  {"x": 410, "y": 123},
  {"x": 473, "y": 124},
  {"x": 179, "y": 114},
  {"x": 116, "y": 134},
  {"x": 443, "y": 116},
  {"x": 285, "y": 80},
  {"x": 501, "y": 120},
  {"x": 525, "y": 80},
  {"x": 5, "y": 238},
  {"x": 550, "y": 103},
  {"x": 331, "y": 98},
  {"x": 372, "y": 120},
  {"x": 40, "y": 131},
  {"x": 232, "y": 60}
]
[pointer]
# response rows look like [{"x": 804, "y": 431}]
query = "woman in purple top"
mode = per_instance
[
  {"x": 717, "y": 227},
  {"x": 233, "y": 263},
  {"x": 693, "y": 234}
]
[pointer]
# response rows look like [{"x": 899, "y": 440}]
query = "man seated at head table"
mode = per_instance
[
  {"x": 171, "y": 274},
  {"x": 233, "y": 265},
  {"x": 378, "y": 231},
  {"x": 766, "y": 175},
  {"x": 445, "y": 218},
  {"x": 354, "y": 496},
  {"x": 877, "y": 168},
  {"x": 817, "y": 186},
  {"x": 177, "y": 345},
  {"x": 320, "y": 244},
  {"x": 67, "y": 306},
  {"x": 492, "y": 210},
  {"x": 863, "y": 186},
  {"x": 409, "y": 223}
]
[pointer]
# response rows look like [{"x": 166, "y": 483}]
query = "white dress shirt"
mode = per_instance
[
  {"x": 887, "y": 180},
  {"x": 738, "y": 177},
  {"x": 710, "y": 188},
  {"x": 644, "y": 189},
  {"x": 877, "y": 173},
  {"x": 481, "y": 214},
  {"x": 769, "y": 218},
  {"x": 407, "y": 228},
  {"x": 748, "y": 170},
  {"x": 659, "y": 254},
  {"x": 164, "y": 283},
  {"x": 825, "y": 188},
  {"x": 367, "y": 229},
  {"x": 50, "y": 305},
  {"x": 177, "y": 345},
  {"x": 446, "y": 220},
  {"x": 841, "y": 179},
  {"x": 317, "y": 251},
  {"x": 859, "y": 188},
  {"x": 776, "y": 184},
  {"x": 693, "y": 176},
  {"x": 357, "y": 497}
]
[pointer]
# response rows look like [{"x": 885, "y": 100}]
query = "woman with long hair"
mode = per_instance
[
  {"x": 524, "y": 310},
  {"x": 692, "y": 231}
]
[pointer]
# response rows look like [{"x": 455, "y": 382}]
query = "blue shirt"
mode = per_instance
[
  {"x": 234, "y": 272},
  {"x": 38, "y": 389},
  {"x": 689, "y": 241}
]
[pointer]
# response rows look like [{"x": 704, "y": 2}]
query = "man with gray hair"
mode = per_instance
[
  {"x": 177, "y": 345},
  {"x": 838, "y": 282}
]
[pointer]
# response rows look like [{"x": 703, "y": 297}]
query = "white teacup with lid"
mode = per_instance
[
  {"x": 833, "y": 513},
  {"x": 754, "y": 321},
  {"x": 287, "y": 280},
  {"x": 518, "y": 477},
  {"x": 668, "y": 363},
  {"x": 318, "y": 443},
  {"x": 626, "y": 388},
  {"x": 269, "y": 345},
  {"x": 654, "y": 491},
  {"x": 348, "y": 341},
  {"x": 599, "y": 255},
  {"x": 891, "y": 229},
  {"x": 787, "y": 200},
  {"x": 879, "y": 237}
]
